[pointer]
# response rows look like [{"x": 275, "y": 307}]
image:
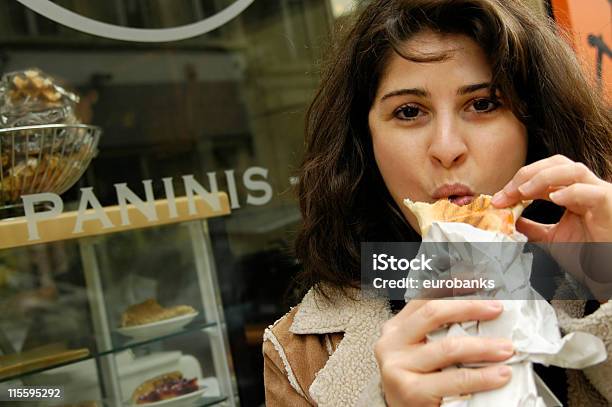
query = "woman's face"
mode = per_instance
[{"x": 435, "y": 130}]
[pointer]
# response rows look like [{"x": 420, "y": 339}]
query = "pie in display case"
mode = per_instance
[{"x": 116, "y": 316}]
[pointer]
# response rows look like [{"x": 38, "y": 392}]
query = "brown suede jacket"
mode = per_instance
[{"x": 322, "y": 354}]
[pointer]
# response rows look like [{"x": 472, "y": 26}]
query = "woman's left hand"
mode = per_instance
[
  {"x": 587, "y": 218},
  {"x": 587, "y": 199}
]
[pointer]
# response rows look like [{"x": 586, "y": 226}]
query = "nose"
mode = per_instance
[{"x": 447, "y": 146}]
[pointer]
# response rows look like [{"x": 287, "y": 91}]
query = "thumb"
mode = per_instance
[{"x": 535, "y": 232}]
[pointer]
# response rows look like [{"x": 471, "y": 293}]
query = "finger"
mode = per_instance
[
  {"x": 393, "y": 327},
  {"x": 535, "y": 232},
  {"x": 458, "y": 349},
  {"x": 454, "y": 382},
  {"x": 581, "y": 198},
  {"x": 435, "y": 314},
  {"x": 552, "y": 178},
  {"x": 411, "y": 306},
  {"x": 510, "y": 195}
]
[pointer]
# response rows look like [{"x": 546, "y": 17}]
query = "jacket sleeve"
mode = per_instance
[
  {"x": 279, "y": 390},
  {"x": 599, "y": 323}
]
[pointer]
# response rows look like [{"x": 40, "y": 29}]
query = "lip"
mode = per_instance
[{"x": 457, "y": 189}]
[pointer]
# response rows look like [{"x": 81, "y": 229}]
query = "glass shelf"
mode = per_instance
[
  {"x": 122, "y": 343},
  {"x": 42, "y": 369},
  {"x": 125, "y": 345},
  {"x": 210, "y": 401},
  {"x": 203, "y": 402}
]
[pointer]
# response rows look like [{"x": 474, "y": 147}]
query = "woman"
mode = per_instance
[{"x": 429, "y": 99}]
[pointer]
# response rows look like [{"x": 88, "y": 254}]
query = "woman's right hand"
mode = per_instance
[{"x": 410, "y": 366}]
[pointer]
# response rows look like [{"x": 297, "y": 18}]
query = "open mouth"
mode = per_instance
[{"x": 461, "y": 199}]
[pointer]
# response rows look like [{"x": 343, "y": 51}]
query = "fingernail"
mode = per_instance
[
  {"x": 504, "y": 371},
  {"x": 494, "y": 305},
  {"x": 506, "y": 348},
  {"x": 509, "y": 187},
  {"x": 498, "y": 198},
  {"x": 554, "y": 195},
  {"x": 526, "y": 188}
]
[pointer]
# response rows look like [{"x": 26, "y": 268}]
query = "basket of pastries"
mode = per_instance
[{"x": 43, "y": 147}]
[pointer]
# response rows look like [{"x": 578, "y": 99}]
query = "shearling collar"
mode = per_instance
[
  {"x": 316, "y": 315},
  {"x": 350, "y": 367}
]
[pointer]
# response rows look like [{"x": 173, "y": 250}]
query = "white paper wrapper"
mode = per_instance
[{"x": 528, "y": 320}]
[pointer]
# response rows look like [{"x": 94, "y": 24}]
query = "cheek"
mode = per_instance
[
  {"x": 397, "y": 158},
  {"x": 397, "y": 163},
  {"x": 516, "y": 149},
  {"x": 504, "y": 155}
]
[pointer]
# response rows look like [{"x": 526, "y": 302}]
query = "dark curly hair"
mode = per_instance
[{"x": 342, "y": 196}]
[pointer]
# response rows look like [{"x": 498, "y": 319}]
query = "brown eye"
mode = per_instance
[
  {"x": 407, "y": 112},
  {"x": 485, "y": 105}
]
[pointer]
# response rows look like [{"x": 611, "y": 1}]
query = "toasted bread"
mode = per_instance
[{"x": 479, "y": 213}]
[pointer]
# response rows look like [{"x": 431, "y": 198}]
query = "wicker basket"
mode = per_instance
[{"x": 45, "y": 158}]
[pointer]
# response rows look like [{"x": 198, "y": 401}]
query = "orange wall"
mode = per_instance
[{"x": 582, "y": 18}]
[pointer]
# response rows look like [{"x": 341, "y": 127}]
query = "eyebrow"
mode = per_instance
[{"x": 464, "y": 90}]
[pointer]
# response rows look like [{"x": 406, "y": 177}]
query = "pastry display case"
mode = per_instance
[{"x": 115, "y": 316}]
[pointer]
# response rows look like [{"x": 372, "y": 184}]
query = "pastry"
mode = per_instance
[
  {"x": 480, "y": 213},
  {"x": 164, "y": 387},
  {"x": 151, "y": 311},
  {"x": 33, "y": 174},
  {"x": 32, "y": 97},
  {"x": 33, "y": 85}
]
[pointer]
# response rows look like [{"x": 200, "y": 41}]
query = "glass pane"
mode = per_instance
[{"x": 225, "y": 106}]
